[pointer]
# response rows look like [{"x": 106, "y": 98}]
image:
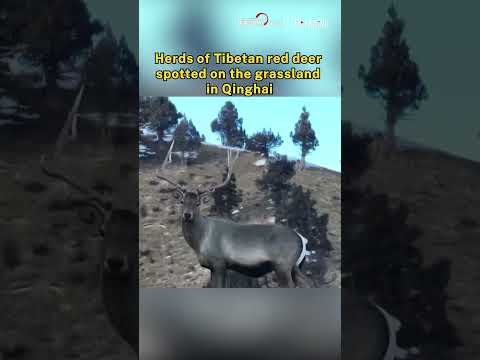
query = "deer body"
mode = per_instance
[{"x": 218, "y": 240}]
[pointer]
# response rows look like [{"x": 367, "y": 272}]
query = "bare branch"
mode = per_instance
[
  {"x": 168, "y": 154},
  {"x": 230, "y": 165},
  {"x": 92, "y": 197},
  {"x": 181, "y": 189},
  {"x": 62, "y": 139}
]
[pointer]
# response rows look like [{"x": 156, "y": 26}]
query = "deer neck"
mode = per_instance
[{"x": 193, "y": 231}]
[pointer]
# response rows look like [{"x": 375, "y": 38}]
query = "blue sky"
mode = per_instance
[
  {"x": 278, "y": 113},
  {"x": 448, "y": 120}
]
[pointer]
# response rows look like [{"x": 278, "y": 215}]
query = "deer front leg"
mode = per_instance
[{"x": 218, "y": 276}]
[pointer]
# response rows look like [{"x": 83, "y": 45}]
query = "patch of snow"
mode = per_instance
[
  {"x": 148, "y": 131},
  {"x": 6, "y": 101},
  {"x": 18, "y": 65},
  {"x": 143, "y": 149},
  {"x": 8, "y": 122},
  {"x": 8, "y": 111},
  {"x": 261, "y": 162},
  {"x": 69, "y": 80},
  {"x": 227, "y": 147},
  {"x": 236, "y": 211},
  {"x": 67, "y": 84},
  {"x": 29, "y": 116}
]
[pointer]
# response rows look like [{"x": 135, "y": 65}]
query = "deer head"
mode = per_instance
[
  {"x": 115, "y": 225},
  {"x": 192, "y": 198}
]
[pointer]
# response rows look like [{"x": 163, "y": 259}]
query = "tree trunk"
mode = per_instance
[
  {"x": 389, "y": 136},
  {"x": 51, "y": 103},
  {"x": 184, "y": 159},
  {"x": 51, "y": 77},
  {"x": 302, "y": 163}
]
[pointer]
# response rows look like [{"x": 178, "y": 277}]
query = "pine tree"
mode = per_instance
[
  {"x": 59, "y": 32},
  {"x": 158, "y": 113},
  {"x": 263, "y": 141},
  {"x": 226, "y": 199},
  {"x": 382, "y": 262},
  {"x": 229, "y": 126},
  {"x": 101, "y": 72},
  {"x": 128, "y": 73},
  {"x": 187, "y": 138},
  {"x": 304, "y": 135},
  {"x": 299, "y": 213},
  {"x": 276, "y": 180},
  {"x": 393, "y": 76}
]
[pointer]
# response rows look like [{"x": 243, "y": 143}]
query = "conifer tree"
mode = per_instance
[
  {"x": 393, "y": 77},
  {"x": 304, "y": 135},
  {"x": 187, "y": 138},
  {"x": 226, "y": 199},
  {"x": 299, "y": 213},
  {"x": 229, "y": 126},
  {"x": 263, "y": 141}
]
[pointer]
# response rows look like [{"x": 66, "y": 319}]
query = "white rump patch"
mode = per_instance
[
  {"x": 261, "y": 162},
  {"x": 393, "y": 351},
  {"x": 304, "y": 249}
]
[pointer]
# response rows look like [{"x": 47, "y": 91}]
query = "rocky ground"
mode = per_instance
[
  {"x": 443, "y": 194},
  {"x": 166, "y": 260},
  {"x": 49, "y": 295}
]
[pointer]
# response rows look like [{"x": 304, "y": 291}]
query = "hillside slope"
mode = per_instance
[
  {"x": 443, "y": 194},
  {"x": 165, "y": 258}
]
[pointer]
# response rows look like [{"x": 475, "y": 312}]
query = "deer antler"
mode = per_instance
[
  {"x": 181, "y": 189},
  {"x": 230, "y": 164},
  {"x": 93, "y": 198}
]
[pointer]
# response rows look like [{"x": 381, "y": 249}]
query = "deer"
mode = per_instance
[
  {"x": 118, "y": 247},
  {"x": 369, "y": 332},
  {"x": 221, "y": 244}
]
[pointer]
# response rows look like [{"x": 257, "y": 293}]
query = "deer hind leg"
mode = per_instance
[
  {"x": 284, "y": 276},
  {"x": 301, "y": 279}
]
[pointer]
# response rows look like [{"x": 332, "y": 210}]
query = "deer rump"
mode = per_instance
[{"x": 369, "y": 332}]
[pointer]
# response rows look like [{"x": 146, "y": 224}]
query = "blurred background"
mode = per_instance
[{"x": 309, "y": 27}]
